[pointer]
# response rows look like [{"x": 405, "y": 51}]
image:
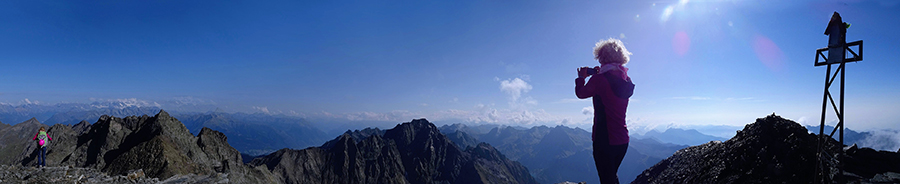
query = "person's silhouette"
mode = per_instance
[{"x": 610, "y": 87}]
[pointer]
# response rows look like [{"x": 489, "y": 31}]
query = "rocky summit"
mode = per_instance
[
  {"x": 770, "y": 150},
  {"x": 413, "y": 152}
]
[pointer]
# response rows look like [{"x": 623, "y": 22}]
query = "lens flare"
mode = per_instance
[
  {"x": 681, "y": 43},
  {"x": 667, "y": 13},
  {"x": 768, "y": 53}
]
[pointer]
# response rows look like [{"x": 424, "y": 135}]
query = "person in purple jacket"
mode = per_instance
[{"x": 610, "y": 87}]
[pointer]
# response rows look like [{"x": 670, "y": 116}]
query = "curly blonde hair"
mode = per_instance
[{"x": 611, "y": 51}]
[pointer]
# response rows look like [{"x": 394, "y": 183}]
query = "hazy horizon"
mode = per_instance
[{"x": 695, "y": 63}]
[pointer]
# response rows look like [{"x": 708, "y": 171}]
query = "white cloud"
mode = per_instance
[
  {"x": 882, "y": 140},
  {"x": 479, "y": 106},
  {"x": 480, "y": 113},
  {"x": 803, "y": 120},
  {"x": 529, "y": 101},
  {"x": 262, "y": 109},
  {"x": 525, "y": 77},
  {"x": 189, "y": 100},
  {"x": 122, "y": 103},
  {"x": 515, "y": 89},
  {"x": 396, "y": 115},
  {"x": 587, "y": 110},
  {"x": 295, "y": 113}
]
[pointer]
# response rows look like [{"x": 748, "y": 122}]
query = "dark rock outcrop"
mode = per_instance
[
  {"x": 413, "y": 152},
  {"x": 771, "y": 150}
]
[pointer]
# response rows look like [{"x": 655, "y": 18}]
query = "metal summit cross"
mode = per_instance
[{"x": 837, "y": 50}]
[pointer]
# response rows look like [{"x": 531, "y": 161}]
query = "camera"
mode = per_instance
[{"x": 592, "y": 71}]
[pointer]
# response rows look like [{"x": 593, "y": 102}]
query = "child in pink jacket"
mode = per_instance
[{"x": 43, "y": 140}]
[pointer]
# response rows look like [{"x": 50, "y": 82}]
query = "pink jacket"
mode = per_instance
[{"x": 610, "y": 91}]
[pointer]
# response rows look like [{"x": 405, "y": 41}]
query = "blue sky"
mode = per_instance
[{"x": 695, "y": 62}]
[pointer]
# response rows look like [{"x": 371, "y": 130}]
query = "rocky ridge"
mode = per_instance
[
  {"x": 144, "y": 149},
  {"x": 160, "y": 146},
  {"x": 771, "y": 150},
  {"x": 413, "y": 152}
]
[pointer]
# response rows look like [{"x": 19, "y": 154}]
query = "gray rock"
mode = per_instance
[{"x": 81, "y": 127}]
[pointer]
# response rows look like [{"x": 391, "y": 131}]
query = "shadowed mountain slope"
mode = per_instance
[{"x": 413, "y": 152}]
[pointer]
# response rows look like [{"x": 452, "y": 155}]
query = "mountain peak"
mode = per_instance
[
  {"x": 770, "y": 150},
  {"x": 409, "y": 131},
  {"x": 769, "y": 127},
  {"x": 411, "y": 152},
  {"x": 32, "y": 121},
  {"x": 162, "y": 113},
  {"x": 420, "y": 122}
]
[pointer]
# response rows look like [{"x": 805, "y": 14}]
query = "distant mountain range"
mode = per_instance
[
  {"x": 561, "y": 153},
  {"x": 70, "y": 113},
  {"x": 850, "y": 137},
  {"x": 257, "y": 134},
  {"x": 679, "y": 136}
]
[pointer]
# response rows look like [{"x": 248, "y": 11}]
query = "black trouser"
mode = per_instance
[{"x": 607, "y": 158}]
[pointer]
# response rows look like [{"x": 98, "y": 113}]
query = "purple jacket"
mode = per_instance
[{"x": 610, "y": 91}]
